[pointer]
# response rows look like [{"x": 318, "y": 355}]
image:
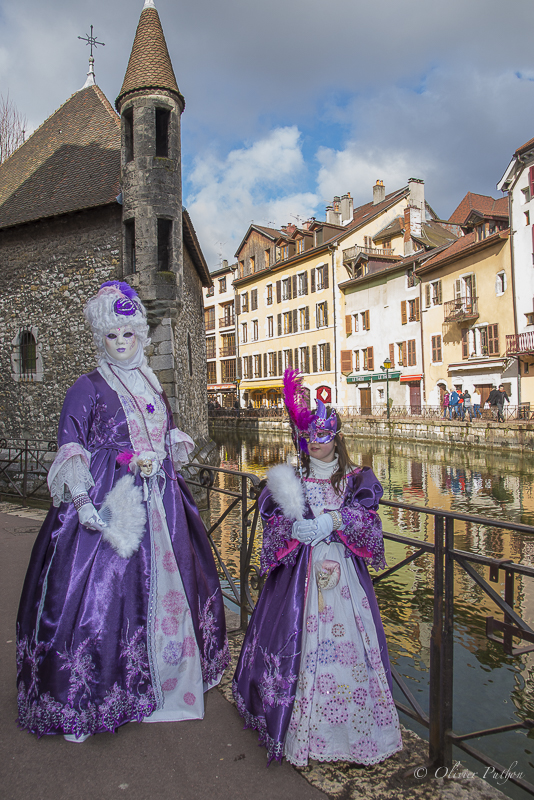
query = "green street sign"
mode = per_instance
[{"x": 378, "y": 376}]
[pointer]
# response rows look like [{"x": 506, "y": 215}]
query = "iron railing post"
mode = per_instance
[
  {"x": 243, "y": 556},
  {"x": 435, "y": 736},
  {"x": 25, "y": 475},
  {"x": 447, "y": 648}
]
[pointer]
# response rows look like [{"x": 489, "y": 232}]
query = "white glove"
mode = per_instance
[
  {"x": 304, "y": 530},
  {"x": 90, "y": 518},
  {"x": 325, "y": 526}
]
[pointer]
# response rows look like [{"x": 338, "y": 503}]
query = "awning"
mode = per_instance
[
  {"x": 408, "y": 378},
  {"x": 217, "y": 387},
  {"x": 261, "y": 389}
]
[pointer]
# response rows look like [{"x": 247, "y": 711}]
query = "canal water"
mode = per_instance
[{"x": 490, "y": 687}]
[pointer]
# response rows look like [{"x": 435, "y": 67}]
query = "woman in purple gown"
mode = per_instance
[
  {"x": 313, "y": 676},
  {"x": 121, "y": 616}
]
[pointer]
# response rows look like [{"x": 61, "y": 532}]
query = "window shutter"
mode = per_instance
[
  {"x": 493, "y": 340},
  {"x": 440, "y": 298},
  {"x": 348, "y": 324},
  {"x": 392, "y": 354},
  {"x": 307, "y": 359},
  {"x": 473, "y": 286},
  {"x": 417, "y": 310},
  {"x": 280, "y": 363},
  {"x": 370, "y": 359},
  {"x": 279, "y": 324},
  {"x": 265, "y": 370},
  {"x": 367, "y": 320},
  {"x": 294, "y": 285},
  {"x": 317, "y": 315},
  {"x": 288, "y": 288},
  {"x": 327, "y": 357},
  {"x": 239, "y": 368},
  {"x": 312, "y": 275},
  {"x": 326, "y": 313},
  {"x": 314, "y": 358},
  {"x": 290, "y": 358},
  {"x": 296, "y": 359},
  {"x": 325, "y": 277},
  {"x": 428, "y": 293},
  {"x": 278, "y": 291},
  {"x": 289, "y": 323},
  {"x": 458, "y": 289},
  {"x": 307, "y": 318},
  {"x": 238, "y": 305},
  {"x": 259, "y": 366},
  {"x": 411, "y": 353},
  {"x": 295, "y": 320},
  {"x": 306, "y": 282},
  {"x": 404, "y": 316},
  {"x": 465, "y": 343},
  {"x": 403, "y": 362},
  {"x": 346, "y": 361}
]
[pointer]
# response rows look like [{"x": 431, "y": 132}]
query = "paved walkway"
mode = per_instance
[{"x": 209, "y": 759}]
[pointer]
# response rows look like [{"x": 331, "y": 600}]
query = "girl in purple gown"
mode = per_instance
[
  {"x": 313, "y": 676},
  {"x": 121, "y": 616}
]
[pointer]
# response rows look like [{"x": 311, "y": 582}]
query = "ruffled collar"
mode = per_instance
[{"x": 323, "y": 470}]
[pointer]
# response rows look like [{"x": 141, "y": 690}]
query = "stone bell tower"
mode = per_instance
[{"x": 150, "y": 105}]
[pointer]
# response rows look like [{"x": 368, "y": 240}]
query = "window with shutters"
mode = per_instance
[
  {"x": 210, "y": 292},
  {"x": 319, "y": 278},
  {"x": 392, "y": 355},
  {"x": 314, "y": 358},
  {"x": 428, "y": 295},
  {"x": 322, "y": 315},
  {"x": 253, "y": 299},
  {"x": 437, "y": 297},
  {"x": 364, "y": 357},
  {"x": 272, "y": 364},
  {"x": 404, "y": 314},
  {"x": 270, "y": 327},
  {"x": 302, "y": 283},
  {"x": 244, "y": 302},
  {"x": 246, "y": 369},
  {"x": 305, "y": 359},
  {"x": 288, "y": 318},
  {"x": 255, "y": 334},
  {"x": 269, "y": 298},
  {"x": 324, "y": 357},
  {"x": 312, "y": 279},
  {"x": 257, "y": 366},
  {"x": 280, "y": 366},
  {"x": 346, "y": 361},
  {"x": 493, "y": 340},
  {"x": 356, "y": 320},
  {"x": 222, "y": 285},
  {"x": 279, "y": 324},
  {"x": 465, "y": 343},
  {"x": 278, "y": 291},
  {"x": 210, "y": 347},
  {"x": 288, "y": 359},
  {"x": 348, "y": 325},
  {"x": 212, "y": 372},
  {"x": 209, "y": 318},
  {"x": 370, "y": 359},
  {"x": 411, "y": 353},
  {"x": 302, "y": 319},
  {"x": 436, "y": 349},
  {"x": 413, "y": 310},
  {"x": 366, "y": 324},
  {"x": 401, "y": 351},
  {"x": 286, "y": 289},
  {"x": 295, "y": 320},
  {"x": 356, "y": 361},
  {"x": 244, "y": 333}
]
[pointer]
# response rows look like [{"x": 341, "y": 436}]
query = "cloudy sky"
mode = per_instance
[{"x": 290, "y": 102}]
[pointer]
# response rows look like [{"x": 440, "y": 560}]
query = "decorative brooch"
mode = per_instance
[{"x": 150, "y": 408}]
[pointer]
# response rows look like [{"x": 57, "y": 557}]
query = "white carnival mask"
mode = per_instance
[{"x": 121, "y": 343}]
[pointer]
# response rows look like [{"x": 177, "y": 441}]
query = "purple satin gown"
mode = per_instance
[
  {"x": 267, "y": 673},
  {"x": 82, "y": 659}
]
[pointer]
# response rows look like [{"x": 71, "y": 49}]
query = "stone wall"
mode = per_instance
[{"x": 48, "y": 271}]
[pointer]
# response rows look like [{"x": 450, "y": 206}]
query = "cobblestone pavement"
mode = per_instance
[{"x": 211, "y": 758}]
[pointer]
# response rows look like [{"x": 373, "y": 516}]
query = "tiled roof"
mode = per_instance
[
  {"x": 150, "y": 65},
  {"x": 457, "y": 249},
  {"x": 366, "y": 212},
  {"x": 394, "y": 228},
  {"x": 524, "y": 147},
  {"x": 479, "y": 202},
  {"x": 71, "y": 162},
  {"x": 434, "y": 235}
]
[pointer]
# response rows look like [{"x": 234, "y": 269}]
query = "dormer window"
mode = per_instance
[{"x": 163, "y": 116}]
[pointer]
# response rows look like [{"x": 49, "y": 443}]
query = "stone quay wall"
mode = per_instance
[{"x": 512, "y": 437}]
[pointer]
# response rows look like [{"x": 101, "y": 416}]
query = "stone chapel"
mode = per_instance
[{"x": 95, "y": 195}]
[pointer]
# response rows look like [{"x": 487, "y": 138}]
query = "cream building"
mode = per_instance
[{"x": 219, "y": 323}]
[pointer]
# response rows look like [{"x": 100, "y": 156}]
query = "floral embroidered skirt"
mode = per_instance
[{"x": 343, "y": 709}]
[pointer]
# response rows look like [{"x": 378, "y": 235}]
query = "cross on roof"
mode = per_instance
[{"x": 91, "y": 40}]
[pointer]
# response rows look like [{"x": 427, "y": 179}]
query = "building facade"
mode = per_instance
[
  {"x": 92, "y": 196},
  {"x": 220, "y": 325}
]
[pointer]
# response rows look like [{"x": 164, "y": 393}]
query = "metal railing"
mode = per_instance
[
  {"x": 353, "y": 252},
  {"x": 519, "y": 343},
  {"x": 511, "y": 413},
  {"x": 227, "y": 350},
  {"x": 460, "y": 309},
  {"x": 226, "y": 322},
  {"x": 23, "y": 468}
]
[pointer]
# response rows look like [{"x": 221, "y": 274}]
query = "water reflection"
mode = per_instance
[{"x": 491, "y": 688}]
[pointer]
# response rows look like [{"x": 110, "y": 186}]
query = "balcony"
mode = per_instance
[
  {"x": 461, "y": 309},
  {"x": 353, "y": 252},
  {"x": 227, "y": 351},
  {"x": 518, "y": 343},
  {"x": 210, "y": 324},
  {"x": 227, "y": 322}
]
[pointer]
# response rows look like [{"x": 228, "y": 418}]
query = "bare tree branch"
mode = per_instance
[{"x": 12, "y": 127}]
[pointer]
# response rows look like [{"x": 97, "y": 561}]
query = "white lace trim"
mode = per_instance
[
  {"x": 70, "y": 468},
  {"x": 180, "y": 445}
]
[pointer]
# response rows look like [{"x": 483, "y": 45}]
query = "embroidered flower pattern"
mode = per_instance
[
  {"x": 80, "y": 663},
  {"x": 274, "y": 688},
  {"x": 213, "y": 661},
  {"x": 135, "y": 653}
]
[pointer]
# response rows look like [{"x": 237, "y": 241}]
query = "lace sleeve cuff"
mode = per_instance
[
  {"x": 180, "y": 445},
  {"x": 70, "y": 468},
  {"x": 362, "y": 534},
  {"x": 278, "y": 545}
]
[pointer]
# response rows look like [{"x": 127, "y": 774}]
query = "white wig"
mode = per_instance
[{"x": 116, "y": 305}]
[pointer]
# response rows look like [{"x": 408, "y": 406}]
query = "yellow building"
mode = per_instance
[{"x": 467, "y": 311}]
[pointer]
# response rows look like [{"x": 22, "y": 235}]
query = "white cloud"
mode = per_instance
[{"x": 254, "y": 183}]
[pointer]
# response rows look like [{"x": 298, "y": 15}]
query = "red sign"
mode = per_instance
[{"x": 324, "y": 393}]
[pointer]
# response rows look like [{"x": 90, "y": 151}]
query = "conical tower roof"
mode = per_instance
[{"x": 150, "y": 64}]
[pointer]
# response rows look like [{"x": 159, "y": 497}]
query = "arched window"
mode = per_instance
[{"x": 28, "y": 354}]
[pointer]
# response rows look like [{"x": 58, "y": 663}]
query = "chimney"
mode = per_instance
[
  {"x": 347, "y": 208},
  {"x": 412, "y": 227},
  {"x": 417, "y": 194},
  {"x": 225, "y": 263},
  {"x": 379, "y": 192},
  {"x": 333, "y": 213}
]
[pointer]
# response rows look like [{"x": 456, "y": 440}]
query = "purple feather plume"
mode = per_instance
[
  {"x": 298, "y": 411},
  {"x": 125, "y": 288}
]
